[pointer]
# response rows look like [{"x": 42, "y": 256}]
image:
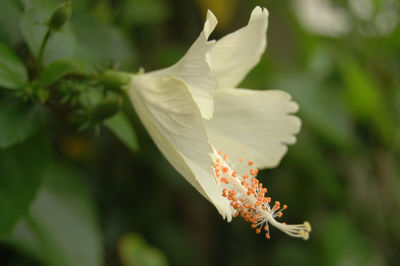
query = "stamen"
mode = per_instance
[{"x": 248, "y": 197}]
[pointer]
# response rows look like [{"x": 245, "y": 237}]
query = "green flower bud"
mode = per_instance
[
  {"x": 115, "y": 80},
  {"x": 106, "y": 108},
  {"x": 42, "y": 94},
  {"x": 60, "y": 16}
]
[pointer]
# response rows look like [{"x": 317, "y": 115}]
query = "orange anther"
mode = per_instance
[
  {"x": 224, "y": 180},
  {"x": 234, "y": 174},
  {"x": 225, "y": 157},
  {"x": 280, "y": 214},
  {"x": 284, "y": 207},
  {"x": 253, "y": 226},
  {"x": 219, "y": 152},
  {"x": 236, "y": 214},
  {"x": 224, "y": 169},
  {"x": 251, "y": 163},
  {"x": 240, "y": 160},
  {"x": 266, "y": 227},
  {"x": 267, "y": 236},
  {"x": 258, "y": 231},
  {"x": 245, "y": 176}
]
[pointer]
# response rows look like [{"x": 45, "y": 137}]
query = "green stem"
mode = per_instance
[{"x": 43, "y": 46}]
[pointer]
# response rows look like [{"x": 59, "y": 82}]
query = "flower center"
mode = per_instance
[{"x": 247, "y": 196}]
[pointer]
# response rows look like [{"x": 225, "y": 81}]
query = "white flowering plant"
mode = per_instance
[{"x": 133, "y": 132}]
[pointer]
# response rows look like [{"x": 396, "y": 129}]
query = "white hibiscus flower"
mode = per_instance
[{"x": 192, "y": 109}]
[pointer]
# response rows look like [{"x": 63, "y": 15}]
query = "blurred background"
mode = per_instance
[{"x": 70, "y": 197}]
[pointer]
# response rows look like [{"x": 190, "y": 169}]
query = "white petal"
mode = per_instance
[
  {"x": 233, "y": 56},
  {"x": 255, "y": 125},
  {"x": 194, "y": 69},
  {"x": 212, "y": 189},
  {"x": 169, "y": 113}
]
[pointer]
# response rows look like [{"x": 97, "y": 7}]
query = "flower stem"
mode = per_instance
[{"x": 43, "y": 46}]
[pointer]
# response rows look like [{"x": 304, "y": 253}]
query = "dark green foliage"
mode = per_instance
[
  {"x": 12, "y": 71},
  {"x": 18, "y": 122},
  {"x": 22, "y": 167}
]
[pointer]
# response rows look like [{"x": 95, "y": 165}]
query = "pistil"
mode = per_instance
[{"x": 248, "y": 197}]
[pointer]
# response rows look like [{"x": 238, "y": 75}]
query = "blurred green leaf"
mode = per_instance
[
  {"x": 61, "y": 45},
  {"x": 287, "y": 252},
  {"x": 21, "y": 170},
  {"x": 343, "y": 244},
  {"x": 120, "y": 125},
  {"x": 59, "y": 69},
  {"x": 308, "y": 155},
  {"x": 9, "y": 20},
  {"x": 365, "y": 98},
  {"x": 12, "y": 71},
  {"x": 141, "y": 12},
  {"x": 61, "y": 229},
  {"x": 18, "y": 122},
  {"x": 134, "y": 251},
  {"x": 100, "y": 42}
]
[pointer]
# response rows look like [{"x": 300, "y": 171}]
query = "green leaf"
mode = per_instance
[
  {"x": 134, "y": 250},
  {"x": 123, "y": 129},
  {"x": 21, "y": 169},
  {"x": 61, "y": 45},
  {"x": 61, "y": 229},
  {"x": 59, "y": 69},
  {"x": 18, "y": 121},
  {"x": 12, "y": 71}
]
